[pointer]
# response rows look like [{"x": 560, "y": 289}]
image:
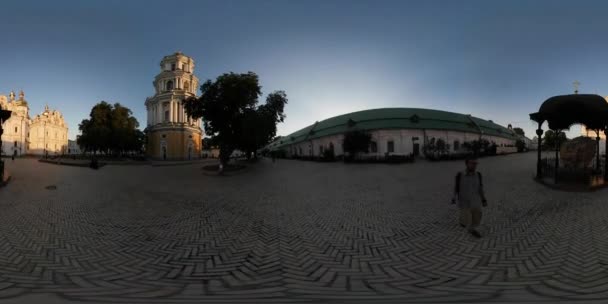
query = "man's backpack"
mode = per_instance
[{"x": 458, "y": 176}]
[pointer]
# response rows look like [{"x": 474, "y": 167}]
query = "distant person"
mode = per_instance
[{"x": 470, "y": 197}]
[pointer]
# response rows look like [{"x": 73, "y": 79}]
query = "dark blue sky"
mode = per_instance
[{"x": 494, "y": 59}]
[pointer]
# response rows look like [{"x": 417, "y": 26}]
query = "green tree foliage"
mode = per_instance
[
  {"x": 521, "y": 145},
  {"x": 356, "y": 141},
  {"x": 440, "y": 145},
  {"x": 551, "y": 138},
  {"x": 110, "y": 129},
  {"x": 519, "y": 131},
  {"x": 231, "y": 114},
  {"x": 209, "y": 142}
]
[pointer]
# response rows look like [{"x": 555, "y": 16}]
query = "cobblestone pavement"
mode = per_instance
[{"x": 296, "y": 231}]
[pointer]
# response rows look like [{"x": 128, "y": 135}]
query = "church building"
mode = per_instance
[
  {"x": 46, "y": 133},
  {"x": 172, "y": 135}
]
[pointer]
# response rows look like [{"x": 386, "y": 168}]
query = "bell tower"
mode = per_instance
[{"x": 172, "y": 134}]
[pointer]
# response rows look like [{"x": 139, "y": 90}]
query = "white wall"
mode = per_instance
[{"x": 402, "y": 139}]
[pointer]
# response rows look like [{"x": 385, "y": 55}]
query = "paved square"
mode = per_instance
[{"x": 296, "y": 231}]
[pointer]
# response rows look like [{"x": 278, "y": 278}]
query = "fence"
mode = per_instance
[{"x": 572, "y": 174}]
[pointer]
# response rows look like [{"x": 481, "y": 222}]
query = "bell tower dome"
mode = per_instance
[
  {"x": 172, "y": 134},
  {"x": 176, "y": 74}
]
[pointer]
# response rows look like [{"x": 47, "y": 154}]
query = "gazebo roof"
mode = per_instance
[{"x": 563, "y": 111}]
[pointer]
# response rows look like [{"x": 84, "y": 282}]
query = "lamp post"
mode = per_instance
[{"x": 4, "y": 115}]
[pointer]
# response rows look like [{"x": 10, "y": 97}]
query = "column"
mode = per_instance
[
  {"x": 178, "y": 114},
  {"x": 557, "y": 143},
  {"x": 539, "y": 134},
  {"x": 606, "y": 159},
  {"x": 159, "y": 114},
  {"x": 597, "y": 155}
]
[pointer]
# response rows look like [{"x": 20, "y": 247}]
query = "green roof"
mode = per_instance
[{"x": 394, "y": 118}]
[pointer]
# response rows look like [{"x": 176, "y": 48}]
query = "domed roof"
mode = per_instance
[{"x": 563, "y": 111}]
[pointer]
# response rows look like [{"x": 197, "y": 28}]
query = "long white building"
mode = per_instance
[{"x": 396, "y": 131}]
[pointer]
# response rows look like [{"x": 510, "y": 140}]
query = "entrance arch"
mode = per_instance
[
  {"x": 163, "y": 149},
  {"x": 190, "y": 145}
]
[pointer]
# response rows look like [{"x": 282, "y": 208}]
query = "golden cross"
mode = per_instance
[{"x": 576, "y": 84}]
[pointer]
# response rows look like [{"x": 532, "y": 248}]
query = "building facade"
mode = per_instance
[
  {"x": 48, "y": 133},
  {"x": 45, "y": 133},
  {"x": 171, "y": 134},
  {"x": 14, "y": 138},
  {"x": 396, "y": 131}
]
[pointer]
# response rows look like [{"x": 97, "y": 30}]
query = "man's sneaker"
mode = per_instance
[{"x": 475, "y": 233}]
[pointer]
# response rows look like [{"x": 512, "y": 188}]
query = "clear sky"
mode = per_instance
[{"x": 493, "y": 59}]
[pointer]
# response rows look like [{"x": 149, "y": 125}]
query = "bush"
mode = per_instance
[
  {"x": 328, "y": 155},
  {"x": 396, "y": 159}
]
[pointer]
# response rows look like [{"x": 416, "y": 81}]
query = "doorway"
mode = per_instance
[{"x": 416, "y": 149}]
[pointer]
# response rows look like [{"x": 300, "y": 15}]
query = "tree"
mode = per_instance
[
  {"x": 356, "y": 141},
  {"x": 209, "y": 142},
  {"x": 110, "y": 129},
  {"x": 551, "y": 138},
  {"x": 474, "y": 146},
  {"x": 231, "y": 114},
  {"x": 521, "y": 145},
  {"x": 440, "y": 146},
  {"x": 519, "y": 131}
]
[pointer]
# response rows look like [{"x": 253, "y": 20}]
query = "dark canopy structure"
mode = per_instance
[{"x": 563, "y": 111}]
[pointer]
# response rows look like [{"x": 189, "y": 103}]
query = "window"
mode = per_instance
[
  {"x": 15, "y": 129},
  {"x": 173, "y": 67},
  {"x": 390, "y": 146},
  {"x": 166, "y": 115},
  {"x": 456, "y": 145},
  {"x": 169, "y": 85},
  {"x": 15, "y": 143},
  {"x": 373, "y": 147}
]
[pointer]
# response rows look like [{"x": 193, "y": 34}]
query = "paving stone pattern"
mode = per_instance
[{"x": 296, "y": 231}]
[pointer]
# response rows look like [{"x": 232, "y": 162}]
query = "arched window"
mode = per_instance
[{"x": 169, "y": 85}]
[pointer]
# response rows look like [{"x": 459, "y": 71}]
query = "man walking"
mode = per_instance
[{"x": 469, "y": 194}]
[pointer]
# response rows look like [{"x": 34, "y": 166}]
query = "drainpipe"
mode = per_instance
[{"x": 476, "y": 125}]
